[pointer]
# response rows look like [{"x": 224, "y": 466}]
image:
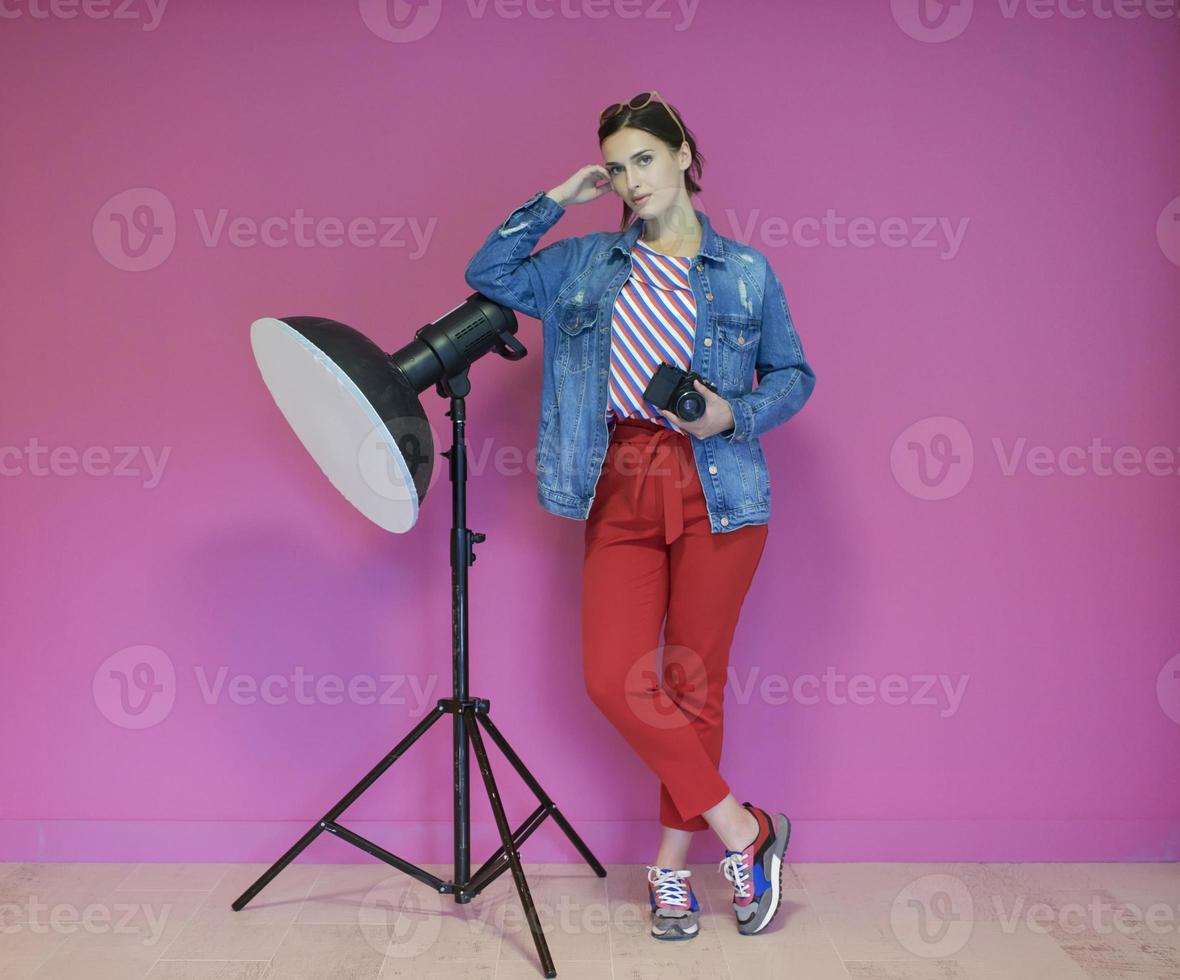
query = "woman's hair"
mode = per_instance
[{"x": 655, "y": 118}]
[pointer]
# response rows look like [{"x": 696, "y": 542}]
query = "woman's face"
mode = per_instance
[{"x": 643, "y": 169}]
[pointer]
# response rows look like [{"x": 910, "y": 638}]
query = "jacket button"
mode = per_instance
[
  {"x": 713, "y": 470},
  {"x": 741, "y": 339},
  {"x": 708, "y": 341},
  {"x": 725, "y": 521},
  {"x": 700, "y": 265},
  {"x": 708, "y": 295}
]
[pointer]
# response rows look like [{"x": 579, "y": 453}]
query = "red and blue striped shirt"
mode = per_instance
[{"x": 654, "y": 320}]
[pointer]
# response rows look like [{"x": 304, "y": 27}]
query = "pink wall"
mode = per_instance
[{"x": 1009, "y": 283}]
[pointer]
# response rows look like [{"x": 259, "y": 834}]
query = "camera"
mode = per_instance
[{"x": 672, "y": 389}]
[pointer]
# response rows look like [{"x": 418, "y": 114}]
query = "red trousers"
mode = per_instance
[{"x": 650, "y": 553}]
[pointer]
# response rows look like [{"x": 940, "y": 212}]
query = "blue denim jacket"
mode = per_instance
[{"x": 743, "y": 325}]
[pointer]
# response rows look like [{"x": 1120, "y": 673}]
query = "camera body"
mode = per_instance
[{"x": 672, "y": 389}]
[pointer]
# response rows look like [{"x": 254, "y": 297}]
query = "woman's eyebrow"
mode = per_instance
[{"x": 646, "y": 149}]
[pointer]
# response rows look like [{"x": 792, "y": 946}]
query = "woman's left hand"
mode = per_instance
[{"x": 718, "y": 415}]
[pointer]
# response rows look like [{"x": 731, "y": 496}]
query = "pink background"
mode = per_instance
[{"x": 1052, "y": 322}]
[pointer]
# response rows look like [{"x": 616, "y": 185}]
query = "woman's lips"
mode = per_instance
[{"x": 638, "y": 201}]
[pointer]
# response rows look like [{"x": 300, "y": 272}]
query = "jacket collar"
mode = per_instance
[{"x": 711, "y": 243}]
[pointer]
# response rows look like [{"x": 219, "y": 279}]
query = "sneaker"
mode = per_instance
[
  {"x": 674, "y": 907},
  {"x": 756, "y": 873}
]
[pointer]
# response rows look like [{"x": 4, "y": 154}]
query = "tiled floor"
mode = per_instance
[{"x": 371, "y": 922}]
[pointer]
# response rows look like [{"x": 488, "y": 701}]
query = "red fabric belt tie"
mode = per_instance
[{"x": 654, "y": 445}]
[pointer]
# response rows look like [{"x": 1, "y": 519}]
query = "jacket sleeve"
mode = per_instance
[
  {"x": 785, "y": 379},
  {"x": 504, "y": 270}
]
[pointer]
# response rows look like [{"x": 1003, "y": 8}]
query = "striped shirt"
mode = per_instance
[{"x": 654, "y": 320}]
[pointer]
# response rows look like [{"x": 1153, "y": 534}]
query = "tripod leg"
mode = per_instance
[
  {"x": 330, "y": 817},
  {"x": 541, "y": 795},
  {"x": 522, "y": 886}
]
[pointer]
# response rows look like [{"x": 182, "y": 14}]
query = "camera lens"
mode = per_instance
[{"x": 690, "y": 406}]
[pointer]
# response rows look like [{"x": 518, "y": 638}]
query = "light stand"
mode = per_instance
[{"x": 469, "y": 714}]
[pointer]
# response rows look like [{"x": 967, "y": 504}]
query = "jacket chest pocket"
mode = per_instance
[
  {"x": 575, "y": 336},
  {"x": 737, "y": 348}
]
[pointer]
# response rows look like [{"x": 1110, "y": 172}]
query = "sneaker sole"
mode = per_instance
[
  {"x": 674, "y": 932},
  {"x": 768, "y": 910}
]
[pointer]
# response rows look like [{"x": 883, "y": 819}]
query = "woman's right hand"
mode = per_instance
[{"x": 587, "y": 184}]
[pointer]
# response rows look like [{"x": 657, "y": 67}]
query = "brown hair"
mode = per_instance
[{"x": 656, "y": 118}]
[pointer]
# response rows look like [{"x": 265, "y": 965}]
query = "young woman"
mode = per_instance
[{"x": 676, "y": 509}]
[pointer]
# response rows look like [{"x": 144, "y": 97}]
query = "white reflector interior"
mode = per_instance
[{"x": 338, "y": 425}]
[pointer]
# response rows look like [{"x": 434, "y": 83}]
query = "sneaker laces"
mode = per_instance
[
  {"x": 669, "y": 885},
  {"x": 733, "y": 866}
]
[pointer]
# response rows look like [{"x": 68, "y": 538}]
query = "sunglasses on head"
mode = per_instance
[{"x": 641, "y": 100}]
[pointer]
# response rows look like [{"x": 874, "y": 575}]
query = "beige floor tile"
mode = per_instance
[
  {"x": 74, "y": 962},
  {"x": 424, "y": 969},
  {"x": 213, "y": 935},
  {"x": 31, "y": 890},
  {"x": 209, "y": 970},
  {"x": 367, "y": 920},
  {"x": 340, "y": 890},
  {"x": 341, "y": 952},
  {"x": 278, "y": 902},
  {"x": 566, "y": 970},
  {"x": 18, "y": 967},
  {"x": 135, "y": 922},
  {"x": 176, "y": 877},
  {"x": 673, "y": 967}
]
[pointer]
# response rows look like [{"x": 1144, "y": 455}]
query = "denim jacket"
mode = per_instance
[{"x": 743, "y": 326}]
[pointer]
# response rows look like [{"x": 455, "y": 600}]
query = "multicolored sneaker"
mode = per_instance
[
  {"x": 674, "y": 907},
  {"x": 756, "y": 873}
]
